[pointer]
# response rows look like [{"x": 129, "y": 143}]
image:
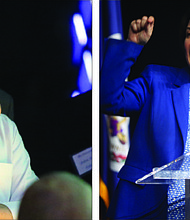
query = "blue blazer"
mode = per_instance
[{"x": 160, "y": 100}]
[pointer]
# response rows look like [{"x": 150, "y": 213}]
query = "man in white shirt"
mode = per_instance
[{"x": 16, "y": 174}]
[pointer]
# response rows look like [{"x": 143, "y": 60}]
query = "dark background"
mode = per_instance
[{"x": 36, "y": 69}]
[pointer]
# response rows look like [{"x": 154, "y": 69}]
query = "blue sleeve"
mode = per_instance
[{"x": 117, "y": 96}]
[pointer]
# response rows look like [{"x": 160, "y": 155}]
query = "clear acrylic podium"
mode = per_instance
[{"x": 167, "y": 173}]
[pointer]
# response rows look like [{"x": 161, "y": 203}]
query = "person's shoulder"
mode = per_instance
[
  {"x": 161, "y": 72},
  {"x": 6, "y": 122},
  {"x": 4, "y": 117},
  {"x": 159, "y": 69}
]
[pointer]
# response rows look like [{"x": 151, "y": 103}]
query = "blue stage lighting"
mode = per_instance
[
  {"x": 81, "y": 27},
  {"x": 83, "y": 80},
  {"x": 86, "y": 12}
]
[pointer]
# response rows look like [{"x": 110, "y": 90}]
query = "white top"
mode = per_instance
[{"x": 16, "y": 174}]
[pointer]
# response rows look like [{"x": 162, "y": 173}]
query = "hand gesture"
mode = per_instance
[{"x": 140, "y": 30}]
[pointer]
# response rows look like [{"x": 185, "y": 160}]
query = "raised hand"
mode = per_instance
[{"x": 140, "y": 30}]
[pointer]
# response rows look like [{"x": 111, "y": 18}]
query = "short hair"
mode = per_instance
[{"x": 58, "y": 195}]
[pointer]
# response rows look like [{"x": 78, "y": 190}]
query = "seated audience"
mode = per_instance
[{"x": 57, "y": 195}]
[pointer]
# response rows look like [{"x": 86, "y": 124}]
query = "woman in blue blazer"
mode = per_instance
[{"x": 159, "y": 98}]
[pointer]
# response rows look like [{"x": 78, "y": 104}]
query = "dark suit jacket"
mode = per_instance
[
  {"x": 7, "y": 104},
  {"x": 160, "y": 100}
]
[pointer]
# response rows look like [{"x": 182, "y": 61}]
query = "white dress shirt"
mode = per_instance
[{"x": 16, "y": 174}]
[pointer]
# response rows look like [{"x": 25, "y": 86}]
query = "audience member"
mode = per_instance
[
  {"x": 57, "y": 195},
  {"x": 15, "y": 169}
]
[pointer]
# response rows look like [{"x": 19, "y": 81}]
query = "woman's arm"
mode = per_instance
[{"x": 117, "y": 96}]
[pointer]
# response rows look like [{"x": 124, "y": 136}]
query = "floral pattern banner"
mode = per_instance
[{"x": 118, "y": 131}]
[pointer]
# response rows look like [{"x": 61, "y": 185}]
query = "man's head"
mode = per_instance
[{"x": 59, "y": 195}]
